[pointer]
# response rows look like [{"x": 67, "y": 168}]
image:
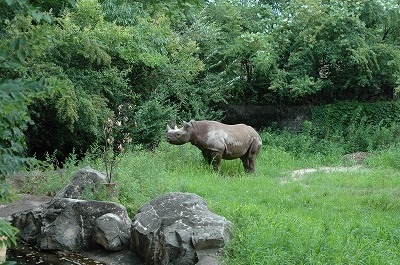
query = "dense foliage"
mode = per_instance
[
  {"x": 351, "y": 118},
  {"x": 178, "y": 60}
]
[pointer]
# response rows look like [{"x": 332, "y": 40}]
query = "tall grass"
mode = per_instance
[{"x": 350, "y": 217}]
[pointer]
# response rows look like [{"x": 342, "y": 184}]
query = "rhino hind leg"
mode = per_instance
[
  {"x": 246, "y": 164},
  {"x": 249, "y": 159}
]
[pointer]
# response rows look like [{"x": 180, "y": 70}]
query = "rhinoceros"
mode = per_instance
[{"x": 219, "y": 141}]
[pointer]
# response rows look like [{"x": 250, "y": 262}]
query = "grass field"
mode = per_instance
[{"x": 337, "y": 217}]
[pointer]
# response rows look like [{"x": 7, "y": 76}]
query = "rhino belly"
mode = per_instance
[
  {"x": 231, "y": 156},
  {"x": 236, "y": 151}
]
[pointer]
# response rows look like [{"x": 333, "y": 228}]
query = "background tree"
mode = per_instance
[
  {"x": 300, "y": 51},
  {"x": 179, "y": 60},
  {"x": 18, "y": 89},
  {"x": 332, "y": 53},
  {"x": 106, "y": 60},
  {"x": 232, "y": 37}
]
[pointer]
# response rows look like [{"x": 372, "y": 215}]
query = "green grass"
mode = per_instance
[{"x": 323, "y": 218}]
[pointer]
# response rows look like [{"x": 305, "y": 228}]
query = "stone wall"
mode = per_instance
[{"x": 258, "y": 117}]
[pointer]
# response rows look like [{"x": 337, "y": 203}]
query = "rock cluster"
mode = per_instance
[
  {"x": 72, "y": 225},
  {"x": 175, "y": 228}
]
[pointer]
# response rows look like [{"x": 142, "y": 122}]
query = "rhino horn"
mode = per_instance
[
  {"x": 168, "y": 128},
  {"x": 176, "y": 127}
]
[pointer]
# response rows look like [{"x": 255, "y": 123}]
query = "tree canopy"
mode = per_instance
[{"x": 67, "y": 65}]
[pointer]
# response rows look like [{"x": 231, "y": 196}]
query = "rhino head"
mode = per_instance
[{"x": 178, "y": 136}]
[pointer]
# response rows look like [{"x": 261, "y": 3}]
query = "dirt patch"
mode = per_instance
[
  {"x": 356, "y": 158},
  {"x": 300, "y": 174},
  {"x": 22, "y": 202}
]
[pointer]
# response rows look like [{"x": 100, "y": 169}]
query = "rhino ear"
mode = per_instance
[{"x": 185, "y": 125}]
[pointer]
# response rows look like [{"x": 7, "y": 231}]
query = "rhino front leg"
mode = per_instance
[
  {"x": 216, "y": 160},
  {"x": 207, "y": 156}
]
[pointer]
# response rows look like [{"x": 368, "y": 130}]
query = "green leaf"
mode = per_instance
[
  {"x": 36, "y": 15},
  {"x": 15, "y": 45},
  {"x": 4, "y": 54},
  {"x": 47, "y": 18},
  {"x": 22, "y": 40},
  {"x": 21, "y": 55},
  {"x": 22, "y": 2},
  {"x": 16, "y": 60}
]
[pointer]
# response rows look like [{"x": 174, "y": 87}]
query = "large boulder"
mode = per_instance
[
  {"x": 68, "y": 224},
  {"x": 178, "y": 228},
  {"x": 87, "y": 180},
  {"x": 111, "y": 232}
]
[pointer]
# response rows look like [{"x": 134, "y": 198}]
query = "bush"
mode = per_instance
[
  {"x": 306, "y": 144},
  {"x": 150, "y": 121},
  {"x": 385, "y": 158},
  {"x": 359, "y": 126},
  {"x": 336, "y": 130}
]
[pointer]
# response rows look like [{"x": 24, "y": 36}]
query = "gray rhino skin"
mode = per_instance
[{"x": 219, "y": 141}]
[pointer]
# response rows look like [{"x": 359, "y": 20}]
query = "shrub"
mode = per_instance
[
  {"x": 385, "y": 158},
  {"x": 150, "y": 121}
]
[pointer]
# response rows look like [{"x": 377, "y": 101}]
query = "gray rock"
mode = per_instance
[
  {"x": 357, "y": 157},
  {"x": 178, "y": 228},
  {"x": 112, "y": 232},
  {"x": 86, "y": 180},
  {"x": 208, "y": 260},
  {"x": 65, "y": 224}
]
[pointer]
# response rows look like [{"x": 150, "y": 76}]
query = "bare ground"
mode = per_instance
[{"x": 299, "y": 174}]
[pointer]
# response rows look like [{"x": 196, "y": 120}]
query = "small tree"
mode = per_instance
[{"x": 116, "y": 139}]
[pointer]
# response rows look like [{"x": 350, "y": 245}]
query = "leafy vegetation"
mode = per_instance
[
  {"x": 17, "y": 90},
  {"x": 178, "y": 60}
]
